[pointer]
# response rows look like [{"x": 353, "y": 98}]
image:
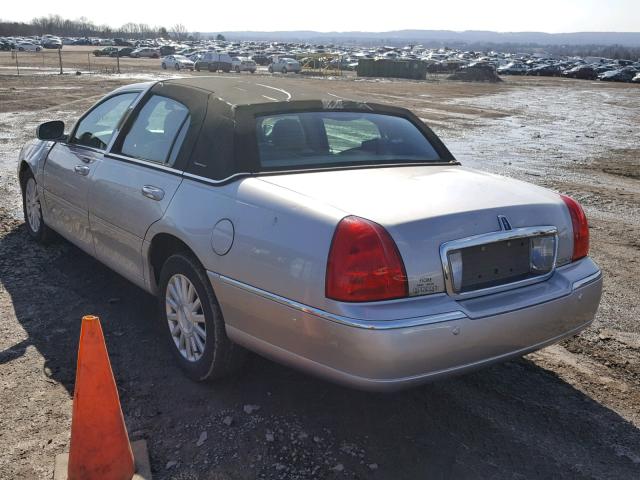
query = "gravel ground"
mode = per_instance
[{"x": 570, "y": 411}]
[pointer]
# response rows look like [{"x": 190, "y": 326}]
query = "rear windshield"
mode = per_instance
[{"x": 326, "y": 139}]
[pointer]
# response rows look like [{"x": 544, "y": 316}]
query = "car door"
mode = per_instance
[
  {"x": 134, "y": 183},
  {"x": 70, "y": 164}
]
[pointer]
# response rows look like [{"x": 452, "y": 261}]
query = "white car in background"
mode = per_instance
[
  {"x": 177, "y": 62},
  {"x": 284, "y": 65},
  {"x": 243, "y": 64},
  {"x": 28, "y": 47}
]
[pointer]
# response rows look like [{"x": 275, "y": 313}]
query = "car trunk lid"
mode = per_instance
[{"x": 424, "y": 207}]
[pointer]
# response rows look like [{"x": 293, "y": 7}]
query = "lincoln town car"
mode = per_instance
[{"x": 334, "y": 235}]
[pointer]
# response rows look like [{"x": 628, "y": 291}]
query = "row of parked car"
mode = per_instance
[
  {"x": 30, "y": 44},
  {"x": 144, "y": 52},
  {"x": 222, "y": 55},
  {"x": 618, "y": 71},
  {"x": 221, "y": 62},
  {"x": 204, "y": 60}
]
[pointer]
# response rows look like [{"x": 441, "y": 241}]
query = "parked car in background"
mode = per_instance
[
  {"x": 605, "y": 68},
  {"x": 340, "y": 238},
  {"x": 166, "y": 50},
  {"x": 214, "y": 62},
  {"x": 51, "y": 41},
  {"x": 122, "y": 52},
  {"x": 513, "y": 68},
  {"x": 583, "y": 72},
  {"x": 27, "y": 47},
  {"x": 177, "y": 62},
  {"x": 243, "y": 64},
  {"x": 545, "y": 71},
  {"x": 284, "y": 65},
  {"x": 121, "y": 42},
  {"x": 625, "y": 74},
  {"x": 105, "y": 52},
  {"x": 261, "y": 60},
  {"x": 145, "y": 52}
]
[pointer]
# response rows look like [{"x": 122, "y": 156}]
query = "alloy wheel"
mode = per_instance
[
  {"x": 32, "y": 204},
  {"x": 185, "y": 317}
]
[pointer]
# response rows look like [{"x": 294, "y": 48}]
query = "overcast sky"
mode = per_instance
[{"x": 344, "y": 15}]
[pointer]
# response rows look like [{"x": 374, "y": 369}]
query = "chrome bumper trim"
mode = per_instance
[
  {"x": 350, "y": 322},
  {"x": 586, "y": 280}
]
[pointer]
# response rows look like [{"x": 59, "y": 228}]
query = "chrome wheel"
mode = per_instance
[
  {"x": 185, "y": 317},
  {"x": 32, "y": 205}
]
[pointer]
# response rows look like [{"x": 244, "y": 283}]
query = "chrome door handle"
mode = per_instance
[
  {"x": 82, "y": 170},
  {"x": 154, "y": 193}
]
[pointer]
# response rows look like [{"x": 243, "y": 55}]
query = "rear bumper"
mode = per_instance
[{"x": 395, "y": 354}]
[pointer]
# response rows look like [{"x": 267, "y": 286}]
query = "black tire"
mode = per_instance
[
  {"x": 43, "y": 234},
  {"x": 220, "y": 357}
]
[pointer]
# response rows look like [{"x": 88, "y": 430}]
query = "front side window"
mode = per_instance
[
  {"x": 158, "y": 131},
  {"x": 97, "y": 127},
  {"x": 338, "y": 138}
]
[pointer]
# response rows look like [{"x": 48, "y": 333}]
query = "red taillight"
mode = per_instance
[
  {"x": 364, "y": 264},
  {"x": 580, "y": 228}
]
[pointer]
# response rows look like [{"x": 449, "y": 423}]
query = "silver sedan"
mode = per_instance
[{"x": 337, "y": 236}]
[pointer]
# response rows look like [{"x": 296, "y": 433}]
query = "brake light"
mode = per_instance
[
  {"x": 364, "y": 264},
  {"x": 580, "y": 228}
]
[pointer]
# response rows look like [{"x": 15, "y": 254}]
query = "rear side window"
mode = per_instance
[
  {"x": 96, "y": 128},
  {"x": 339, "y": 138},
  {"x": 158, "y": 131}
]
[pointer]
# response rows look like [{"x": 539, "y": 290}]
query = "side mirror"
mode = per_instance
[{"x": 53, "y": 130}]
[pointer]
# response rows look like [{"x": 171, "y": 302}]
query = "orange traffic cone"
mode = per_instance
[{"x": 100, "y": 446}]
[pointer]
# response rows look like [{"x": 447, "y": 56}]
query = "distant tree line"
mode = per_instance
[{"x": 83, "y": 27}]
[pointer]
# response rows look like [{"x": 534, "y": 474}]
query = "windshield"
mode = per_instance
[{"x": 328, "y": 139}]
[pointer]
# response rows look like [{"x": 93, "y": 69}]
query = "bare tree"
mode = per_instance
[{"x": 179, "y": 31}]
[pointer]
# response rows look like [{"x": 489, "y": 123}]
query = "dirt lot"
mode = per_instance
[{"x": 571, "y": 411}]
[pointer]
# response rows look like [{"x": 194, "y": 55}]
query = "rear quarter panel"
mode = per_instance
[{"x": 281, "y": 238}]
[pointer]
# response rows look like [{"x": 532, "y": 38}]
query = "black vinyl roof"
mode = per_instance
[{"x": 221, "y": 142}]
